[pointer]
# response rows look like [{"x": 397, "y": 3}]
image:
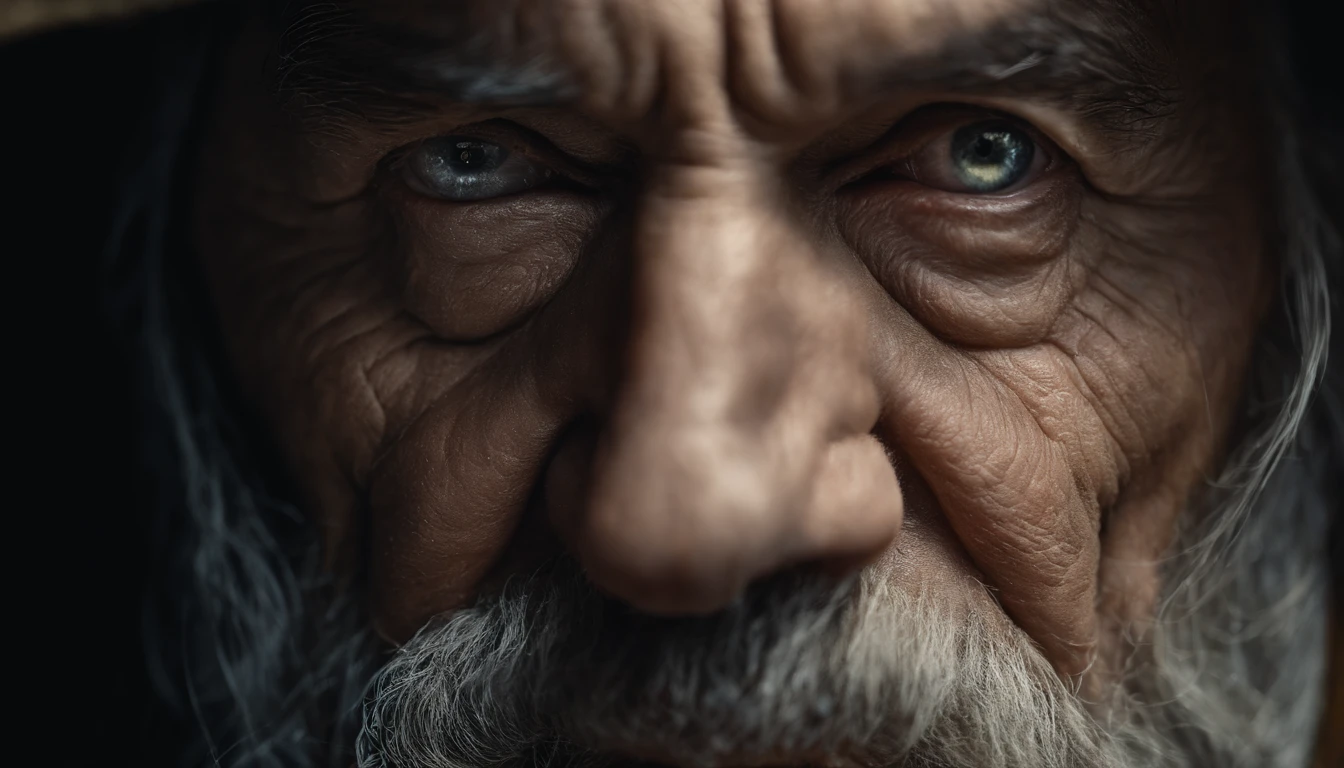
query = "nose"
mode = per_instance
[{"x": 738, "y": 440}]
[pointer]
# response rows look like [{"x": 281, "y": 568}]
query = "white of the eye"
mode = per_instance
[{"x": 439, "y": 176}]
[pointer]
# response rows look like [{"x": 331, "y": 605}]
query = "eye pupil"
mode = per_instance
[
  {"x": 984, "y": 148},
  {"x": 991, "y": 156},
  {"x": 478, "y": 156},
  {"x": 465, "y": 169}
]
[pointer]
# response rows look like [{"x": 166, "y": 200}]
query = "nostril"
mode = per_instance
[
  {"x": 682, "y": 519},
  {"x": 622, "y": 545},
  {"x": 857, "y": 507},
  {"x": 669, "y": 541},
  {"x": 666, "y": 577}
]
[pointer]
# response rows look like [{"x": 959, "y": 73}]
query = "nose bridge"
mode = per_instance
[
  {"x": 709, "y": 471},
  {"x": 701, "y": 278}
]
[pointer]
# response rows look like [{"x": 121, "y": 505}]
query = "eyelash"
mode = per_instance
[
  {"x": 892, "y": 159},
  {"x": 564, "y": 171}
]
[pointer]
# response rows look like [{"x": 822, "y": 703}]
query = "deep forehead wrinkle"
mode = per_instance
[{"x": 387, "y": 63}]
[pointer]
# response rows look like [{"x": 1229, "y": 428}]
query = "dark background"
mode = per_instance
[
  {"x": 74, "y": 102},
  {"x": 73, "y": 105}
]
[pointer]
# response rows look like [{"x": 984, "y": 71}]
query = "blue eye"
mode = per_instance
[
  {"x": 991, "y": 156},
  {"x": 463, "y": 169}
]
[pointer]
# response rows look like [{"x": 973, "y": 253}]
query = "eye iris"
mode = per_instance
[
  {"x": 465, "y": 169},
  {"x": 991, "y": 156}
]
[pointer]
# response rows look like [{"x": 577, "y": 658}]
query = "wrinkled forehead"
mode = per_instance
[
  {"x": 579, "y": 35},
  {"x": 535, "y": 52}
]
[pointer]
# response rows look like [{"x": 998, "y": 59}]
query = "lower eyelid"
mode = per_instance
[
  {"x": 464, "y": 192},
  {"x": 907, "y": 204},
  {"x": 930, "y": 128},
  {"x": 473, "y": 271}
]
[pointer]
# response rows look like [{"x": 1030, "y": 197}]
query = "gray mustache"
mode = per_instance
[
  {"x": 549, "y": 667},
  {"x": 802, "y": 668}
]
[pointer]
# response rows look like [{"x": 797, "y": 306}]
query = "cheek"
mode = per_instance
[
  {"x": 344, "y": 331},
  {"x": 468, "y": 271},
  {"x": 975, "y": 271},
  {"x": 1055, "y": 379},
  {"x": 1162, "y": 330},
  {"x": 321, "y": 344}
]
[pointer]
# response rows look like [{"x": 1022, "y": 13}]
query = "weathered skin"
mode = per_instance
[{"x": 729, "y": 353}]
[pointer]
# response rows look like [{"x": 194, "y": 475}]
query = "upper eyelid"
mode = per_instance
[
  {"x": 515, "y": 138},
  {"x": 891, "y": 147},
  {"x": 887, "y": 149}
]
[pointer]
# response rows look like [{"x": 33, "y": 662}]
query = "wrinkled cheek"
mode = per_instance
[
  {"x": 305, "y": 321},
  {"x": 928, "y": 560},
  {"x": 995, "y": 275},
  {"x": 330, "y": 407},
  {"x": 454, "y": 497},
  {"x": 447, "y": 496},
  {"x": 1016, "y": 501},
  {"x": 1163, "y": 373}
]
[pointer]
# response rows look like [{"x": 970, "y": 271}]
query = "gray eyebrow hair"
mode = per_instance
[
  {"x": 335, "y": 66},
  {"x": 1105, "y": 68}
]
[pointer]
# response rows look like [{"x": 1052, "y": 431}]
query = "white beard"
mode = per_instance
[{"x": 852, "y": 674}]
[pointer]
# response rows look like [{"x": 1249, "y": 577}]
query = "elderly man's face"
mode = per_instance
[{"x": 695, "y": 293}]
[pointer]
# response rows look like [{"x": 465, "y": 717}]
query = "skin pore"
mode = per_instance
[{"x": 745, "y": 285}]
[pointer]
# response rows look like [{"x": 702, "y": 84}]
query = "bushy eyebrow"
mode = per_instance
[
  {"x": 1105, "y": 67},
  {"x": 335, "y": 66}
]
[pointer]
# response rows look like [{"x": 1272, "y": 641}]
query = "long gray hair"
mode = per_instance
[
  {"x": 244, "y": 634},
  {"x": 247, "y": 637}
]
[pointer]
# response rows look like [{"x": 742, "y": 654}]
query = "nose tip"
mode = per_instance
[
  {"x": 738, "y": 441},
  {"x": 687, "y": 525}
]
